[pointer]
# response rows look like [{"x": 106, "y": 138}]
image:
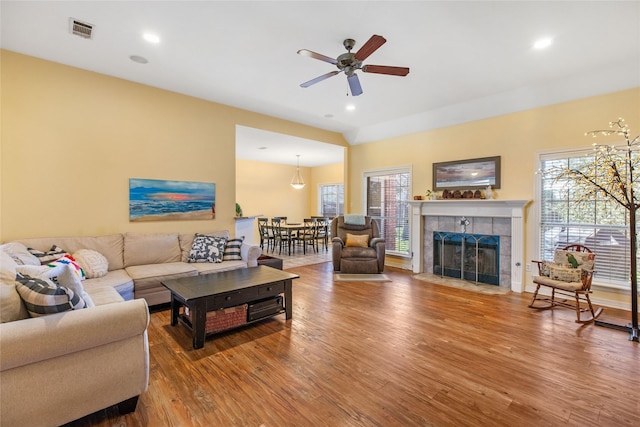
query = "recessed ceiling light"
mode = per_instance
[
  {"x": 350, "y": 107},
  {"x": 262, "y": 148},
  {"x": 328, "y": 116},
  {"x": 151, "y": 38},
  {"x": 543, "y": 43},
  {"x": 139, "y": 59}
]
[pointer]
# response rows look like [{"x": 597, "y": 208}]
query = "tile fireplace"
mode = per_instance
[{"x": 501, "y": 220}]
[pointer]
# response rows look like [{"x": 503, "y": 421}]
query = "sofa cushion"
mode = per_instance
[
  {"x": 151, "y": 275},
  {"x": 11, "y": 306},
  {"x": 43, "y": 296},
  {"x": 151, "y": 248},
  {"x": 214, "y": 267},
  {"x": 102, "y": 295},
  {"x": 232, "y": 250},
  {"x": 92, "y": 262},
  {"x": 186, "y": 241},
  {"x": 207, "y": 248},
  {"x": 116, "y": 279}
]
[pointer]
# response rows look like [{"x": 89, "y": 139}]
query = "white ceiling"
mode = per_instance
[{"x": 469, "y": 59}]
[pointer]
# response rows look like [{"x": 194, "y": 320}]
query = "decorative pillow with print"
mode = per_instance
[
  {"x": 232, "y": 250},
  {"x": 71, "y": 262},
  {"x": 545, "y": 268},
  {"x": 584, "y": 260},
  {"x": 52, "y": 254},
  {"x": 565, "y": 274},
  {"x": 207, "y": 248},
  {"x": 43, "y": 296}
]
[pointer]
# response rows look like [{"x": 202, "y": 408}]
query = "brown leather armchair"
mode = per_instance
[{"x": 357, "y": 254}]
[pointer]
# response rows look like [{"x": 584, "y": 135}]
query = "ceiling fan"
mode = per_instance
[{"x": 350, "y": 62}]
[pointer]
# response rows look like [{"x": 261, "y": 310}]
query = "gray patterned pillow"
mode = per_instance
[
  {"x": 232, "y": 250},
  {"x": 207, "y": 248},
  {"x": 52, "y": 254},
  {"x": 42, "y": 296}
]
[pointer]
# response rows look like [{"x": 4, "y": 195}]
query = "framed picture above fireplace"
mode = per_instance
[{"x": 467, "y": 174}]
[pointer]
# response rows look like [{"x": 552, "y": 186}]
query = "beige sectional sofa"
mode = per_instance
[
  {"x": 57, "y": 368},
  {"x": 139, "y": 262},
  {"x": 60, "y": 367}
]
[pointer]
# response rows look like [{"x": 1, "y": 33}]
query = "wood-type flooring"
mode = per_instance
[{"x": 399, "y": 353}]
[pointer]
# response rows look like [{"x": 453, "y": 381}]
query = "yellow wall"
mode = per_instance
[
  {"x": 263, "y": 188},
  {"x": 71, "y": 139}
]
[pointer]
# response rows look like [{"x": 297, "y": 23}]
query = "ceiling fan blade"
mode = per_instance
[
  {"x": 319, "y": 79},
  {"x": 385, "y": 69},
  {"x": 369, "y": 47},
  {"x": 314, "y": 55},
  {"x": 354, "y": 85}
]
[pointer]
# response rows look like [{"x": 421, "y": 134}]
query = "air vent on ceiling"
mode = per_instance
[{"x": 81, "y": 29}]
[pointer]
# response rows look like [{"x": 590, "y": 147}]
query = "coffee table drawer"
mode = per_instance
[
  {"x": 236, "y": 298},
  {"x": 270, "y": 290}
]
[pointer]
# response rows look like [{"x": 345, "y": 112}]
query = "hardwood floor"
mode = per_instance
[{"x": 400, "y": 353}]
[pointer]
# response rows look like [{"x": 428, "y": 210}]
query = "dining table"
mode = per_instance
[{"x": 291, "y": 229}]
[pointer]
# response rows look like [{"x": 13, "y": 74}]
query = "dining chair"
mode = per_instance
[
  {"x": 266, "y": 234},
  {"x": 323, "y": 232},
  {"x": 308, "y": 236},
  {"x": 281, "y": 236}
]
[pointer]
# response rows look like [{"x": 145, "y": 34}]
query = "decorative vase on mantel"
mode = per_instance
[{"x": 488, "y": 193}]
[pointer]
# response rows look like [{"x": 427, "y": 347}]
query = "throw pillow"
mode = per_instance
[
  {"x": 573, "y": 259},
  {"x": 358, "y": 240},
  {"x": 19, "y": 253},
  {"x": 92, "y": 262},
  {"x": 565, "y": 274},
  {"x": 71, "y": 262},
  {"x": 232, "y": 250},
  {"x": 545, "y": 268},
  {"x": 51, "y": 255},
  {"x": 59, "y": 273},
  {"x": 11, "y": 307},
  {"x": 207, "y": 248},
  {"x": 42, "y": 296}
]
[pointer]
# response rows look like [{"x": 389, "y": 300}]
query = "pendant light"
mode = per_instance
[{"x": 297, "y": 182}]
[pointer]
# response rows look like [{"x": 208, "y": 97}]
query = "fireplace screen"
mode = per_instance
[{"x": 473, "y": 257}]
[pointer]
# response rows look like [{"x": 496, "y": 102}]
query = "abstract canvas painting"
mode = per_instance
[{"x": 160, "y": 200}]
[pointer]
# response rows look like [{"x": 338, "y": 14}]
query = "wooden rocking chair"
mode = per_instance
[{"x": 578, "y": 290}]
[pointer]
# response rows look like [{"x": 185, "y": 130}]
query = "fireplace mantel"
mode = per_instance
[{"x": 513, "y": 209}]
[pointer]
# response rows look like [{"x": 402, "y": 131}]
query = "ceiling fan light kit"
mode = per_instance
[{"x": 349, "y": 63}]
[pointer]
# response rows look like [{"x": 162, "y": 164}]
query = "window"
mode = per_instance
[
  {"x": 599, "y": 224},
  {"x": 331, "y": 200},
  {"x": 386, "y": 198}
]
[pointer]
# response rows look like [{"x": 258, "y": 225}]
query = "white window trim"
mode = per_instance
[
  {"x": 537, "y": 183},
  {"x": 388, "y": 171},
  {"x": 320, "y": 185}
]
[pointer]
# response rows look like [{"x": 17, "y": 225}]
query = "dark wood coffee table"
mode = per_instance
[{"x": 223, "y": 290}]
